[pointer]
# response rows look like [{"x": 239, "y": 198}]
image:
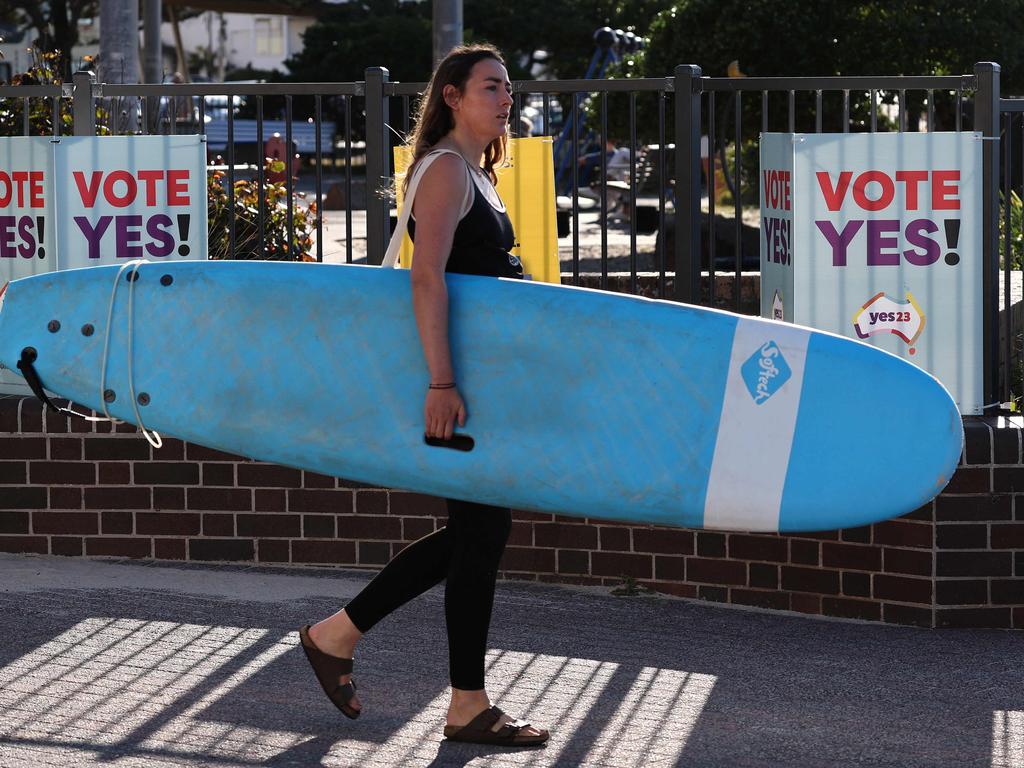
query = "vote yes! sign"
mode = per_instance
[
  {"x": 27, "y": 241},
  {"x": 878, "y": 236},
  {"x": 130, "y": 197}
]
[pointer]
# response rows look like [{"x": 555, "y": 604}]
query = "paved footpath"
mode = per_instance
[{"x": 141, "y": 664}]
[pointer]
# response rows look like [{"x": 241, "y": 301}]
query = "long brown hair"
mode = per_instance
[{"x": 434, "y": 117}]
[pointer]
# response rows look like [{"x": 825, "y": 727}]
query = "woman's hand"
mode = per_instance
[{"x": 443, "y": 407}]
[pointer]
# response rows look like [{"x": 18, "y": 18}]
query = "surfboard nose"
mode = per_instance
[{"x": 877, "y": 437}]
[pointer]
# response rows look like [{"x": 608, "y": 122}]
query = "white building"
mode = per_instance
[
  {"x": 225, "y": 41},
  {"x": 235, "y": 40}
]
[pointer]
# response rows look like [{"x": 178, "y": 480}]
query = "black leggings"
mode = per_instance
[{"x": 466, "y": 552}]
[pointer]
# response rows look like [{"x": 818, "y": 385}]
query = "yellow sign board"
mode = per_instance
[{"x": 526, "y": 184}]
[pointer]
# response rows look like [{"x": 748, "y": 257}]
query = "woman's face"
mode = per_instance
[{"x": 484, "y": 104}]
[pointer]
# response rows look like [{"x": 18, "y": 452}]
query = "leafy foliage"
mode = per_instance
[
  {"x": 630, "y": 587},
  {"x": 276, "y": 244},
  {"x": 358, "y": 35},
  {"x": 111, "y": 114},
  {"x": 563, "y": 28},
  {"x": 45, "y": 70},
  {"x": 819, "y": 37},
  {"x": 1016, "y": 220},
  {"x": 397, "y": 35}
]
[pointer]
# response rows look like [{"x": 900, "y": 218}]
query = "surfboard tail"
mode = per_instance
[
  {"x": 3, "y": 292},
  {"x": 8, "y": 335}
]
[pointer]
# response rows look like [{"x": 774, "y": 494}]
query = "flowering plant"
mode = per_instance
[{"x": 276, "y": 244}]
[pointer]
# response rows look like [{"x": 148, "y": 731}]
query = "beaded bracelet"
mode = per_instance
[{"x": 449, "y": 385}]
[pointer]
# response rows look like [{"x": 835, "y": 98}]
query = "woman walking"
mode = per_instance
[{"x": 459, "y": 225}]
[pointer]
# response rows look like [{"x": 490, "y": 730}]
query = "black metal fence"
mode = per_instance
[
  {"x": 679, "y": 132},
  {"x": 975, "y": 106}
]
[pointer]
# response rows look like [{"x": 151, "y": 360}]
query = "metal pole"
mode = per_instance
[
  {"x": 82, "y": 110},
  {"x": 687, "y": 130},
  {"x": 152, "y": 14},
  {"x": 378, "y": 166},
  {"x": 986, "y": 120},
  {"x": 447, "y": 27}
]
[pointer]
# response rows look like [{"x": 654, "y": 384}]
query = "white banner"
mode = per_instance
[
  {"x": 130, "y": 197},
  {"x": 27, "y": 240},
  {"x": 886, "y": 235}
]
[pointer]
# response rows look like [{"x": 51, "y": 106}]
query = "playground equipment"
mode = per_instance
[{"x": 610, "y": 44}]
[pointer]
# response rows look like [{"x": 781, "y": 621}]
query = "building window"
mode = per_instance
[{"x": 270, "y": 36}]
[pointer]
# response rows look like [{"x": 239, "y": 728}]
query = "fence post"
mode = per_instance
[
  {"x": 687, "y": 226},
  {"x": 378, "y": 166},
  {"x": 986, "y": 120},
  {"x": 82, "y": 110}
]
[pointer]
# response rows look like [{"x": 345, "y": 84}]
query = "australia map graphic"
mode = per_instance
[{"x": 880, "y": 314}]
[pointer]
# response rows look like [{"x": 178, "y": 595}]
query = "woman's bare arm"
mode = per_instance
[{"x": 437, "y": 208}]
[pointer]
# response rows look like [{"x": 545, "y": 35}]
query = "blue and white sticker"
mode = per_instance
[
  {"x": 765, "y": 372},
  {"x": 756, "y": 427}
]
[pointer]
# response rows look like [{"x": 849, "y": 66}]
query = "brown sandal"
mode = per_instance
[
  {"x": 479, "y": 731},
  {"x": 327, "y": 670}
]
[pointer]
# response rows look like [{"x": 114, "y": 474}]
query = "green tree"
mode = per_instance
[
  {"x": 397, "y": 35},
  {"x": 819, "y": 37},
  {"x": 44, "y": 71},
  {"x": 357, "y": 35},
  {"x": 564, "y": 29}
]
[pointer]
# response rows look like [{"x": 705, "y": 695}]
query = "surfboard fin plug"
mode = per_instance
[
  {"x": 29, "y": 355},
  {"x": 28, "y": 370}
]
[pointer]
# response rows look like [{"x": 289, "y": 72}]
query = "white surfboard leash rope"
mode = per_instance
[
  {"x": 152, "y": 437},
  {"x": 106, "y": 417},
  {"x": 395, "y": 244},
  {"x": 25, "y": 365}
]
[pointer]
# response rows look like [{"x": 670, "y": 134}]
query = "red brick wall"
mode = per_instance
[{"x": 68, "y": 487}]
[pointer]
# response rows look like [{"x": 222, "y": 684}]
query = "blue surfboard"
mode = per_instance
[{"x": 580, "y": 402}]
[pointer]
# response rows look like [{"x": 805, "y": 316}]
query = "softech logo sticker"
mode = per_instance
[
  {"x": 880, "y": 314},
  {"x": 765, "y": 372}
]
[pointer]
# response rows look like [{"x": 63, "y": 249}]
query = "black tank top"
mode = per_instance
[{"x": 483, "y": 241}]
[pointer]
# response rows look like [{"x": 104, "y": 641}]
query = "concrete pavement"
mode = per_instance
[{"x": 151, "y": 664}]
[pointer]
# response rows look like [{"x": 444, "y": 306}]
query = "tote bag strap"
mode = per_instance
[{"x": 395, "y": 245}]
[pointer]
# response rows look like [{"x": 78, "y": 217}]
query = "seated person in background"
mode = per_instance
[{"x": 618, "y": 164}]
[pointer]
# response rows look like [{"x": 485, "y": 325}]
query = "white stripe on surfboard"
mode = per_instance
[{"x": 755, "y": 432}]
